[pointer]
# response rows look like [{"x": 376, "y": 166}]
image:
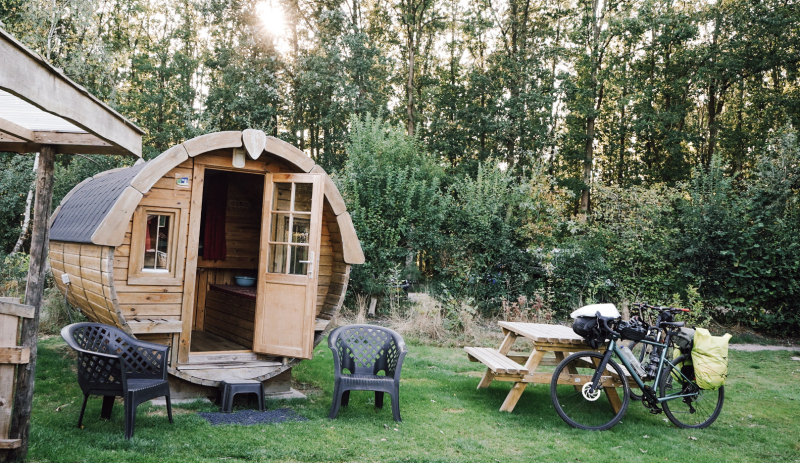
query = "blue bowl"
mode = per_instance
[{"x": 245, "y": 281}]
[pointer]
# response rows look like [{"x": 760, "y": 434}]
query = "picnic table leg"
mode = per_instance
[
  {"x": 516, "y": 392},
  {"x": 487, "y": 379},
  {"x": 505, "y": 347}
]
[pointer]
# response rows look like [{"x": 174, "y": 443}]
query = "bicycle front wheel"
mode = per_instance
[
  {"x": 699, "y": 408},
  {"x": 577, "y": 404}
]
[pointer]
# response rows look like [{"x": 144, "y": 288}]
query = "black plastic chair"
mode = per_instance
[
  {"x": 113, "y": 364},
  {"x": 365, "y": 351}
]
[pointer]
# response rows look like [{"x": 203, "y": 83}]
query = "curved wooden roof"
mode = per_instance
[{"x": 98, "y": 210}]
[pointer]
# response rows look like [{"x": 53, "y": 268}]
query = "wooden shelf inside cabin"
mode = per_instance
[{"x": 247, "y": 292}]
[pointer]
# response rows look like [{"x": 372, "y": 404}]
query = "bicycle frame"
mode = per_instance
[{"x": 612, "y": 348}]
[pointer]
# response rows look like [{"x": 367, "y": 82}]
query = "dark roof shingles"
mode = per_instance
[{"x": 83, "y": 212}]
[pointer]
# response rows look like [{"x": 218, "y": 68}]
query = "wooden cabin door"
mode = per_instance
[{"x": 288, "y": 265}]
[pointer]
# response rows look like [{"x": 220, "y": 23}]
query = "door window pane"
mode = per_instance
[
  {"x": 302, "y": 197},
  {"x": 282, "y": 197},
  {"x": 156, "y": 246},
  {"x": 280, "y": 228},
  {"x": 301, "y": 227},
  {"x": 299, "y": 254},
  {"x": 277, "y": 258}
]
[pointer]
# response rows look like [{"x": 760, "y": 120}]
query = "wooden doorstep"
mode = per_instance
[{"x": 204, "y": 366}]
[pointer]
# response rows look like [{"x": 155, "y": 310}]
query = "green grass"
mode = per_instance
[{"x": 445, "y": 419}]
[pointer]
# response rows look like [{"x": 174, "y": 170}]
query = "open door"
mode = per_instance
[{"x": 289, "y": 260}]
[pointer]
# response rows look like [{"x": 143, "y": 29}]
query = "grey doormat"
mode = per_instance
[{"x": 249, "y": 417}]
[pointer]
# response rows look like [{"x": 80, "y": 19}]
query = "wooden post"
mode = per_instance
[{"x": 23, "y": 399}]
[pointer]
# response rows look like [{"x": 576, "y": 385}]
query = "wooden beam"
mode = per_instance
[
  {"x": 8, "y": 444},
  {"x": 353, "y": 254},
  {"x": 15, "y": 130},
  {"x": 14, "y": 355},
  {"x": 31, "y": 78},
  {"x": 213, "y": 141},
  {"x": 65, "y": 138},
  {"x": 23, "y": 398},
  {"x": 155, "y": 326},
  {"x": 331, "y": 192},
  {"x": 290, "y": 153},
  {"x": 17, "y": 310},
  {"x": 8, "y": 143},
  {"x": 111, "y": 231}
]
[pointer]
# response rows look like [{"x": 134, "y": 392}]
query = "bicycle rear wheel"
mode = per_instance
[
  {"x": 700, "y": 408},
  {"x": 595, "y": 411}
]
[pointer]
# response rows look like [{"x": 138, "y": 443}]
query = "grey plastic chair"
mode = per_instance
[
  {"x": 364, "y": 351},
  {"x": 113, "y": 364}
]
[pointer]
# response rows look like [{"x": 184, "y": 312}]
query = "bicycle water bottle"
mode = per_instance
[{"x": 626, "y": 352}]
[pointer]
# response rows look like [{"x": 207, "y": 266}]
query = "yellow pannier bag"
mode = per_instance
[{"x": 710, "y": 359}]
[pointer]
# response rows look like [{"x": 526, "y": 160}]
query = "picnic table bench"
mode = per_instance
[{"x": 521, "y": 370}]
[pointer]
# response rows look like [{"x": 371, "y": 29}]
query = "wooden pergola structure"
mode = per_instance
[{"x": 43, "y": 111}]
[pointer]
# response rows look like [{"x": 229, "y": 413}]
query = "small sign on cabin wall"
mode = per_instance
[
  {"x": 182, "y": 181},
  {"x": 182, "y": 187}
]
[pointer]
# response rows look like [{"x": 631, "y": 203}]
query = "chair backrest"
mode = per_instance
[
  {"x": 96, "y": 372},
  {"x": 367, "y": 349},
  {"x": 134, "y": 359}
]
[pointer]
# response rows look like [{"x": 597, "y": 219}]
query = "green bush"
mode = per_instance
[
  {"x": 392, "y": 190},
  {"x": 726, "y": 246},
  {"x": 13, "y": 274}
]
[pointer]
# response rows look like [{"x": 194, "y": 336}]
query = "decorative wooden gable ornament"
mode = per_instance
[{"x": 254, "y": 142}]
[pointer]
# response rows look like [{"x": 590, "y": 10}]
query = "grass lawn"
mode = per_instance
[{"x": 445, "y": 419}]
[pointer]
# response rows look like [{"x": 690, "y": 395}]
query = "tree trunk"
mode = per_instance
[
  {"x": 23, "y": 399},
  {"x": 410, "y": 84},
  {"x": 27, "y": 220},
  {"x": 588, "y": 156}
]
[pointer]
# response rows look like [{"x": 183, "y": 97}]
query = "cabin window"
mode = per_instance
[
  {"x": 155, "y": 257},
  {"x": 156, "y": 243}
]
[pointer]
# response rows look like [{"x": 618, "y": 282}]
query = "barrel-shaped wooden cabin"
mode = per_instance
[{"x": 156, "y": 250}]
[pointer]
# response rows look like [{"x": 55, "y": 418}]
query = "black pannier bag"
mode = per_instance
[{"x": 589, "y": 330}]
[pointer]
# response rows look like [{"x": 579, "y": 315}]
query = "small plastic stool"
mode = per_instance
[{"x": 240, "y": 387}]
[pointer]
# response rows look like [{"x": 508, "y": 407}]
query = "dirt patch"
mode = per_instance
[{"x": 175, "y": 411}]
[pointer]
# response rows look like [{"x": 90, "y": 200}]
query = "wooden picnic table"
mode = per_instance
[{"x": 521, "y": 369}]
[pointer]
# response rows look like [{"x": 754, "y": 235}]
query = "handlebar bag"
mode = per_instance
[
  {"x": 589, "y": 329},
  {"x": 710, "y": 359}
]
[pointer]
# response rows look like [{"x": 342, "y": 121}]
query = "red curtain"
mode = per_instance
[
  {"x": 149, "y": 245},
  {"x": 216, "y": 203}
]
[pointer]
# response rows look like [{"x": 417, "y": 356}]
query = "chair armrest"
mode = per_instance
[
  {"x": 150, "y": 345},
  {"x": 137, "y": 365}
]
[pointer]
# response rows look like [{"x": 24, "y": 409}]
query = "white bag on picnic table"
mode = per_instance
[{"x": 710, "y": 359}]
